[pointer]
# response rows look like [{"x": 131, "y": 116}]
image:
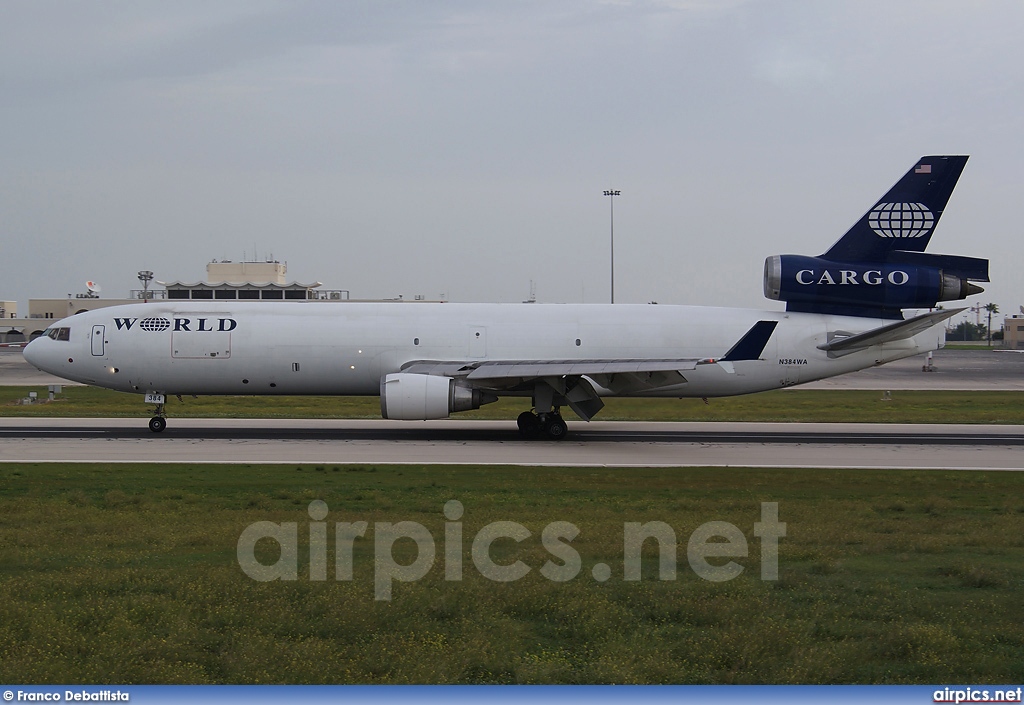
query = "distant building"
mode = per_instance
[
  {"x": 9, "y": 312},
  {"x": 1013, "y": 332},
  {"x": 62, "y": 308},
  {"x": 270, "y": 271},
  {"x": 226, "y": 280}
]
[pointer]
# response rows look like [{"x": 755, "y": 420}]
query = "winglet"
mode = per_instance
[{"x": 751, "y": 345}]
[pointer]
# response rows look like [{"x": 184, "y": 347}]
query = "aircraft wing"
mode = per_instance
[
  {"x": 572, "y": 379},
  {"x": 495, "y": 370},
  {"x": 749, "y": 347}
]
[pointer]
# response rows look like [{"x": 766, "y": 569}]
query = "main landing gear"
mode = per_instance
[
  {"x": 549, "y": 425},
  {"x": 545, "y": 420}
]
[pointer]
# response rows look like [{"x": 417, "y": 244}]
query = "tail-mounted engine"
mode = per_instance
[{"x": 907, "y": 280}]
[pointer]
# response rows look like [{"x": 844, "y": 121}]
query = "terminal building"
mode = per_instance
[
  {"x": 225, "y": 281},
  {"x": 264, "y": 281}
]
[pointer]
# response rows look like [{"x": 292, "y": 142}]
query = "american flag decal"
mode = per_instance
[{"x": 923, "y": 169}]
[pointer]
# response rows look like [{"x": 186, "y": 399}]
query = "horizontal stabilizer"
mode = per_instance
[
  {"x": 751, "y": 345},
  {"x": 887, "y": 334}
]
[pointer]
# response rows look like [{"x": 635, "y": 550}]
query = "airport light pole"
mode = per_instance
[
  {"x": 145, "y": 276},
  {"x": 611, "y": 199}
]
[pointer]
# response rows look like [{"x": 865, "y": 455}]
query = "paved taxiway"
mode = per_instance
[
  {"x": 962, "y": 370},
  {"x": 617, "y": 444}
]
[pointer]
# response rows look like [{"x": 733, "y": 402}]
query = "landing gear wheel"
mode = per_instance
[
  {"x": 529, "y": 424},
  {"x": 157, "y": 424},
  {"x": 555, "y": 428}
]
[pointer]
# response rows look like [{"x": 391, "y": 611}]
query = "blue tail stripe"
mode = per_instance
[{"x": 751, "y": 345}]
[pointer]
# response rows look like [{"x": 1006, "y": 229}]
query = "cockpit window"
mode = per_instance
[{"x": 58, "y": 333}]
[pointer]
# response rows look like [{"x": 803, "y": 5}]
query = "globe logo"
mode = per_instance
[
  {"x": 154, "y": 324},
  {"x": 901, "y": 220}
]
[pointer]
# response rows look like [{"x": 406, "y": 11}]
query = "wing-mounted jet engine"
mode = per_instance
[{"x": 879, "y": 267}]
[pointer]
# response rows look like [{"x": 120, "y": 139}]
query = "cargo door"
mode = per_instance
[{"x": 204, "y": 336}]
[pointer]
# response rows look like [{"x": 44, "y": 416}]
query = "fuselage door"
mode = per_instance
[{"x": 97, "y": 340}]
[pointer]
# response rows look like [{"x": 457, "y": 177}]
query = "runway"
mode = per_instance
[{"x": 612, "y": 444}]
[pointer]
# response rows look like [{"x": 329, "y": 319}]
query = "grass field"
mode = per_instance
[
  {"x": 128, "y": 574},
  {"x": 989, "y": 407}
]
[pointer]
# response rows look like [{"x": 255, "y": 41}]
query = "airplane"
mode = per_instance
[{"x": 844, "y": 312}]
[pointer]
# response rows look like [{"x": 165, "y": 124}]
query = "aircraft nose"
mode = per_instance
[{"x": 33, "y": 353}]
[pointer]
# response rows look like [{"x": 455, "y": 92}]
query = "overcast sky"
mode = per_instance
[{"x": 460, "y": 149}]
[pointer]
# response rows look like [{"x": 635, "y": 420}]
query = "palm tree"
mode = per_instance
[{"x": 991, "y": 308}]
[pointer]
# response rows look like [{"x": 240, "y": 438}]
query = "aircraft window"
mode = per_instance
[{"x": 58, "y": 333}]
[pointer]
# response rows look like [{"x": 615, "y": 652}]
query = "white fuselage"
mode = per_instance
[{"x": 235, "y": 347}]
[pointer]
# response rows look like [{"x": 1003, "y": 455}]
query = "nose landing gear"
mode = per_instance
[{"x": 158, "y": 423}]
